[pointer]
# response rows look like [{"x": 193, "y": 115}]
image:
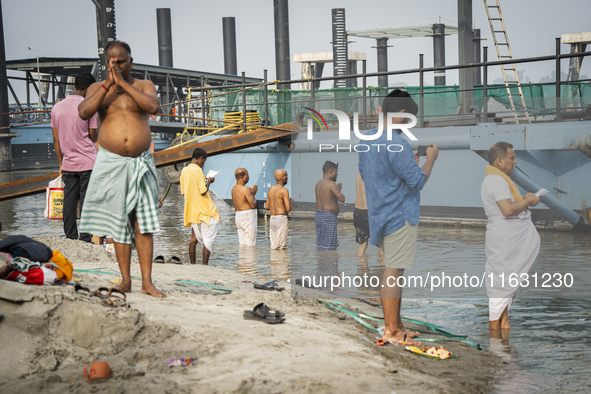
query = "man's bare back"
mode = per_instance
[
  {"x": 278, "y": 201},
  {"x": 242, "y": 195},
  {"x": 243, "y": 198},
  {"x": 328, "y": 194},
  {"x": 124, "y": 109}
]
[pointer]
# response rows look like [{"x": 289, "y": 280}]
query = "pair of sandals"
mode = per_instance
[
  {"x": 172, "y": 260},
  {"x": 263, "y": 313},
  {"x": 270, "y": 286},
  {"x": 109, "y": 296}
]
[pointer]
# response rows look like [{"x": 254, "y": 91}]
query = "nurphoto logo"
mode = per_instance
[{"x": 345, "y": 130}]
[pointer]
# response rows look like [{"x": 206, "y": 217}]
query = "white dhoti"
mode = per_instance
[
  {"x": 278, "y": 229},
  {"x": 512, "y": 245},
  {"x": 246, "y": 221},
  {"x": 511, "y": 249},
  {"x": 206, "y": 234}
]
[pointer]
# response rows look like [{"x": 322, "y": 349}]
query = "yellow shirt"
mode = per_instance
[{"x": 198, "y": 208}]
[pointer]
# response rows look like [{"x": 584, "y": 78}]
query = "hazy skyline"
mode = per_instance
[{"x": 67, "y": 28}]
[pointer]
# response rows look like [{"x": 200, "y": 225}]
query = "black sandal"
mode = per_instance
[
  {"x": 269, "y": 286},
  {"x": 78, "y": 288},
  {"x": 261, "y": 312}
]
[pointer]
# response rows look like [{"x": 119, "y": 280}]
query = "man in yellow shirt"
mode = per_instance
[{"x": 201, "y": 213}]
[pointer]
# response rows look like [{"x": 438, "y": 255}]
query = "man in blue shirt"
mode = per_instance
[{"x": 393, "y": 181}]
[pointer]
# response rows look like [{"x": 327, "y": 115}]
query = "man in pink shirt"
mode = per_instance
[{"x": 73, "y": 139}]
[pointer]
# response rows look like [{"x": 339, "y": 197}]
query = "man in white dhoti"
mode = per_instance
[
  {"x": 245, "y": 204},
  {"x": 512, "y": 242},
  {"x": 279, "y": 204}
]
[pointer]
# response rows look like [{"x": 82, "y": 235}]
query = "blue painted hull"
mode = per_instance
[{"x": 547, "y": 153}]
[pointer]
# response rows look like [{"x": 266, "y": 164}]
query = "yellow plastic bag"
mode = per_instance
[{"x": 54, "y": 200}]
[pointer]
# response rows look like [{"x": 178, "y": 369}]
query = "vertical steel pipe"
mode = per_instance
[
  {"x": 243, "y": 102},
  {"x": 421, "y": 96},
  {"x": 485, "y": 83},
  {"x": 558, "y": 117},
  {"x": 229, "y": 32},
  {"x": 164, "y": 27},
  {"x": 382, "y": 47},
  {"x": 266, "y": 94},
  {"x": 476, "y": 51},
  {"x": 282, "y": 57},
  {"x": 465, "y": 55},
  {"x": 5, "y": 145},
  {"x": 439, "y": 52},
  {"x": 364, "y": 79}
]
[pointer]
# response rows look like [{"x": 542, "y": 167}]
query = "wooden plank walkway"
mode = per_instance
[{"x": 38, "y": 184}]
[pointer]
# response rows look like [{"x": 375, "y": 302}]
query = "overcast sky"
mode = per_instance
[{"x": 67, "y": 28}]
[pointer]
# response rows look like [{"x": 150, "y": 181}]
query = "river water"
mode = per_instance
[{"x": 547, "y": 351}]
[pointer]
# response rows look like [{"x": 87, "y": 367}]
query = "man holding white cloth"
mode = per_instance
[{"x": 512, "y": 241}]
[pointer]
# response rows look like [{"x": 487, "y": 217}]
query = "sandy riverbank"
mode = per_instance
[{"x": 48, "y": 333}]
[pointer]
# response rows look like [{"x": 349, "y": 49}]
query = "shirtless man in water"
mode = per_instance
[
  {"x": 279, "y": 204},
  {"x": 328, "y": 196},
  {"x": 246, "y": 208},
  {"x": 122, "y": 196}
]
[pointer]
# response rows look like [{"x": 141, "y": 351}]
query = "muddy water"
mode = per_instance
[{"x": 548, "y": 350}]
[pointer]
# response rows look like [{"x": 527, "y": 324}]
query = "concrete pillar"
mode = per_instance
[
  {"x": 352, "y": 71},
  {"x": 465, "y": 55},
  {"x": 382, "y": 47},
  {"x": 439, "y": 52},
  {"x": 306, "y": 73},
  {"x": 574, "y": 66}
]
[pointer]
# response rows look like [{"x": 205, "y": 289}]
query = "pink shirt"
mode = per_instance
[{"x": 78, "y": 150}]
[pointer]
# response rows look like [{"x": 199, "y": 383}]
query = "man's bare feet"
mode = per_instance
[
  {"x": 124, "y": 286},
  {"x": 409, "y": 332},
  {"x": 501, "y": 324},
  {"x": 399, "y": 337},
  {"x": 150, "y": 289}
]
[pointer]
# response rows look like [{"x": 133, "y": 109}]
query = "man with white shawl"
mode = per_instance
[{"x": 512, "y": 242}]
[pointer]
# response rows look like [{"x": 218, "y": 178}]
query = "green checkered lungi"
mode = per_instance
[{"x": 121, "y": 189}]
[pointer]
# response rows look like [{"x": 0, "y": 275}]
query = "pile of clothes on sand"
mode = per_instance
[{"x": 31, "y": 262}]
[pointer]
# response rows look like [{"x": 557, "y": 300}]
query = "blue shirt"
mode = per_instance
[{"x": 393, "y": 181}]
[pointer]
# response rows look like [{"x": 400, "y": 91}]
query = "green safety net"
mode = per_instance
[{"x": 284, "y": 105}]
